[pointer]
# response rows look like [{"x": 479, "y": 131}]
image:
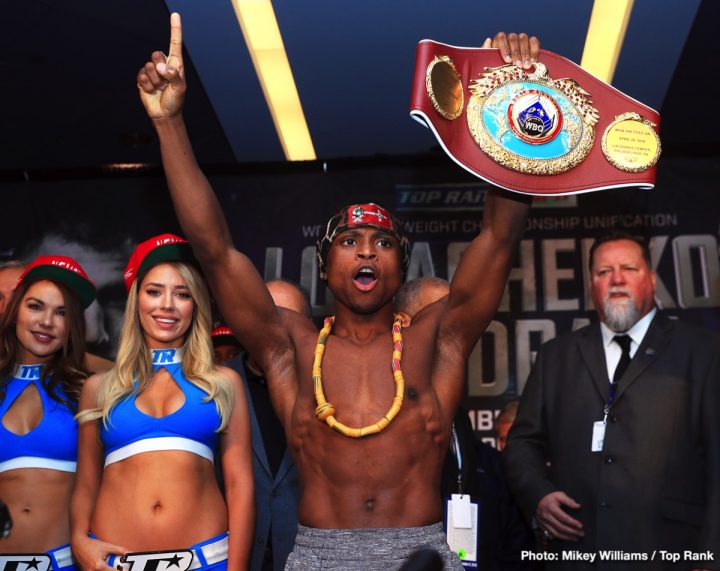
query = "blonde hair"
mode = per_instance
[{"x": 134, "y": 358}]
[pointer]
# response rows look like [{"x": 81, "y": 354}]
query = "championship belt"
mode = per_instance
[{"x": 552, "y": 129}]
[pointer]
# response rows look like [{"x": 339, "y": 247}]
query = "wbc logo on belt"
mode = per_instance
[
  {"x": 530, "y": 122},
  {"x": 534, "y": 117}
]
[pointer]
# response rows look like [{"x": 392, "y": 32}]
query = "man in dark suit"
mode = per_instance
[
  {"x": 626, "y": 412},
  {"x": 277, "y": 488}
]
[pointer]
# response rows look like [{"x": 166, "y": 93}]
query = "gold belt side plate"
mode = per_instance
[{"x": 631, "y": 144}]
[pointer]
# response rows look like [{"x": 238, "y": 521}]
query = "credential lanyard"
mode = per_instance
[
  {"x": 455, "y": 443},
  {"x": 611, "y": 399}
]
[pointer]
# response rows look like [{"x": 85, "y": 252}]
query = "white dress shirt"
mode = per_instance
[{"x": 613, "y": 352}]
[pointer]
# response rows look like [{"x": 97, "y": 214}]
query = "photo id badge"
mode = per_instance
[
  {"x": 598, "y": 436},
  {"x": 462, "y": 538},
  {"x": 461, "y": 511}
]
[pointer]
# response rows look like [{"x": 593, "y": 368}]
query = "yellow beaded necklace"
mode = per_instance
[{"x": 326, "y": 412}]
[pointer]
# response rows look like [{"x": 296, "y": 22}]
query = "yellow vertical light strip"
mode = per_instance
[
  {"x": 262, "y": 36},
  {"x": 605, "y": 37}
]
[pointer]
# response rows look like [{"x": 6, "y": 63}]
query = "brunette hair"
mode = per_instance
[{"x": 66, "y": 368}]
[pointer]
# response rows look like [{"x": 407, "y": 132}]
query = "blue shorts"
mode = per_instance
[
  {"x": 61, "y": 559},
  {"x": 208, "y": 555}
]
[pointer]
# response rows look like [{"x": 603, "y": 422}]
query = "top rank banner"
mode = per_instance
[{"x": 553, "y": 129}]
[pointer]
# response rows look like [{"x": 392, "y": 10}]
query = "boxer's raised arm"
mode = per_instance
[
  {"x": 479, "y": 281},
  {"x": 161, "y": 84},
  {"x": 238, "y": 287}
]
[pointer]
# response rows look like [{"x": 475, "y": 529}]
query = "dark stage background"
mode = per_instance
[{"x": 277, "y": 212}]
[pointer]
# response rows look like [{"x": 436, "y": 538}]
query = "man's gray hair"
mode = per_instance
[{"x": 407, "y": 296}]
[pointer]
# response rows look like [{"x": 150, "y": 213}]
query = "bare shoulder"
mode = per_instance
[
  {"x": 296, "y": 324},
  {"x": 432, "y": 313},
  {"x": 92, "y": 383},
  {"x": 240, "y": 397},
  {"x": 424, "y": 325},
  {"x": 231, "y": 375},
  {"x": 90, "y": 388}
]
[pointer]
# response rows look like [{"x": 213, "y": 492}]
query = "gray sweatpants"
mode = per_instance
[{"x": 384, "y": 549}]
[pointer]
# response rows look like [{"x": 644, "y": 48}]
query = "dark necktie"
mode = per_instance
[{"x": 624, "y": 341}]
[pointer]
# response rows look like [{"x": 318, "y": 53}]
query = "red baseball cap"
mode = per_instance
[
  {"x": 223, "y": 334},
  {"x": 162, "y": 248},
  {"x": 359, "y": 215},
  {"x": 64, "y": 270}
]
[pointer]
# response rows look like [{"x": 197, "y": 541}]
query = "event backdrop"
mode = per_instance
[{"x": 276, "y": 217}]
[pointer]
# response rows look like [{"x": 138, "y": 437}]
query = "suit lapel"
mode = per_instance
[
  {"x": 655, "y": 340},
  {"x": 593, "y": 354},
  {"x": 285, "y": 465},
  {"x": 257, "y": 441}
]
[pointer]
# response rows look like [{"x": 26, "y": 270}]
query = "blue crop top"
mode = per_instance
[
  {"x": 192, "y": 428},
  {"x": 52, "y": 444}
]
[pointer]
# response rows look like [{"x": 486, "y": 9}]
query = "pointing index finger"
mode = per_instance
[{"x": 175, "y": 52}]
